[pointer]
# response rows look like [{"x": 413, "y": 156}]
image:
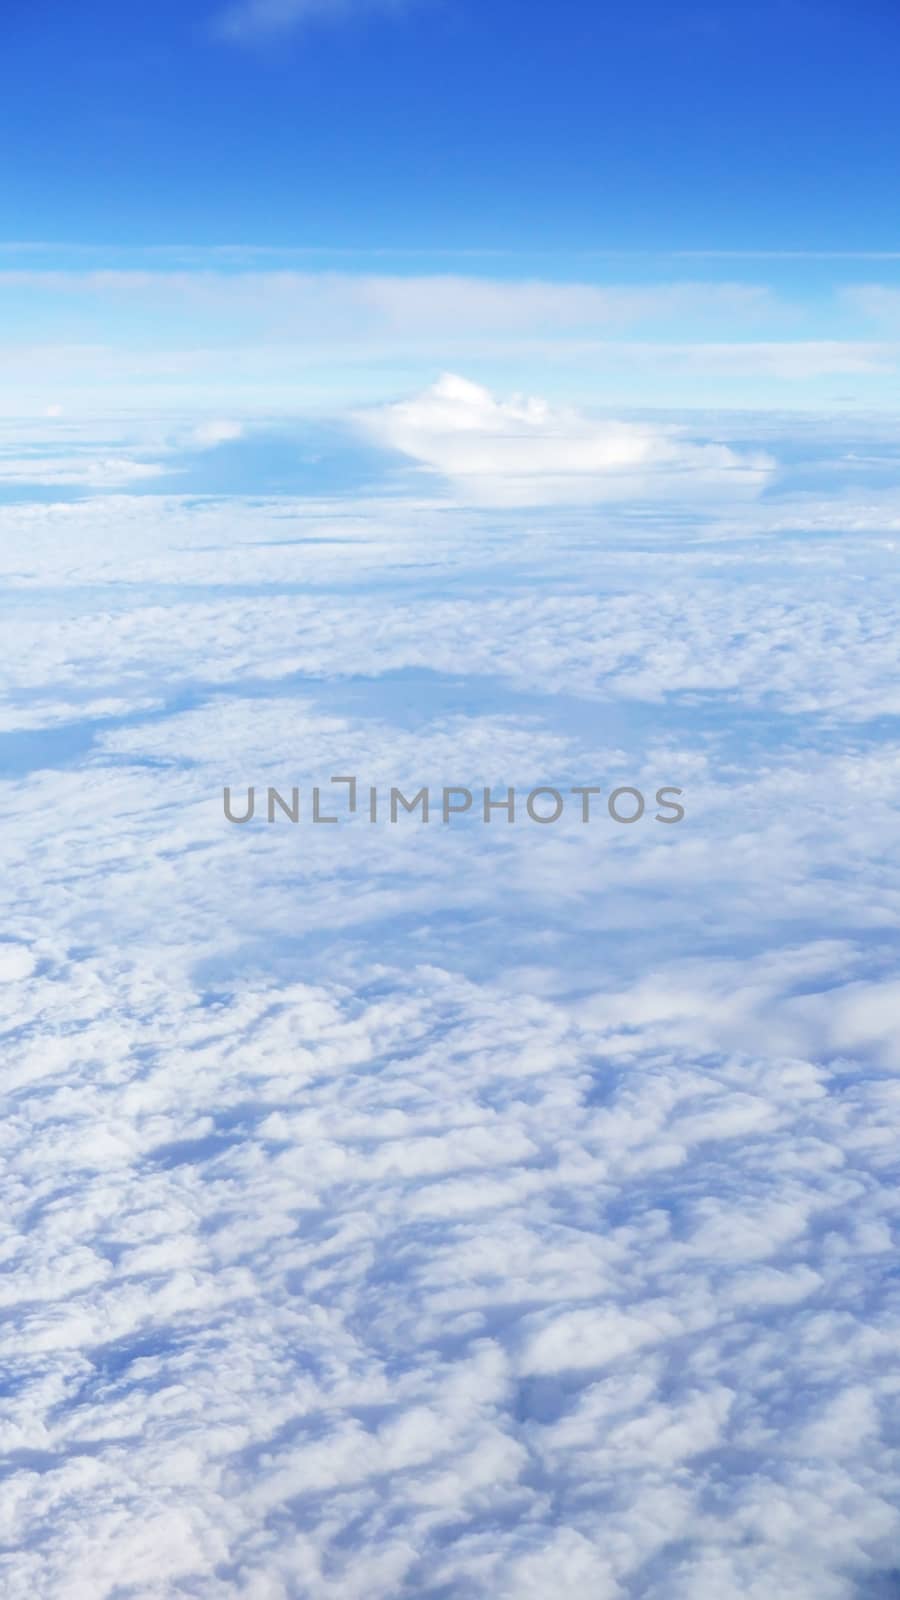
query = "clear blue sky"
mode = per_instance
[{"x": 453, "y": 124}]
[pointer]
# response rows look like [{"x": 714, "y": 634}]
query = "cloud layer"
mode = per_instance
[
  {"x": 246, "y": 330},
  {"x": 451, "y": 1212}
]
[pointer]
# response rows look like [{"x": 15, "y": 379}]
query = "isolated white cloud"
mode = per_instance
[{"x": 524, "y": 452}]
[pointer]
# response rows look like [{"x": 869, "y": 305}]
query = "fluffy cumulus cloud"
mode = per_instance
[
  {"x": 466, "y": 1211},
  {"x": 525, "y": 452},
  {"x": 425, "y": 1288}
]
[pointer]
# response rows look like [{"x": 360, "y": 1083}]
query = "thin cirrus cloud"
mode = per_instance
[
  {"x": 415, "y": 304},
  {"x": 279, "y": 338},
  {"x": 876, "y": 301},
  {"x": 261, "y": 19}
]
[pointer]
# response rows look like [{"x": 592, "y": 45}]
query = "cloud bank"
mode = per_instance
[{"x": 450, "y": 1213}]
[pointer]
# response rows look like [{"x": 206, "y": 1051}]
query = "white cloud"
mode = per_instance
[
  {"x": 581, "y": 580},
  {"x": 414, "y": 304},
  {"x": 88, "y": 470},
  {"x": 432, "y": 1211},
  {"x": 632, "y": 1368},
  {"x": 524, "y": 452},
  {"x": 300, "y": 338},
  {"x": 208, "y": 435},
  {"x": 16, "y": 962}
]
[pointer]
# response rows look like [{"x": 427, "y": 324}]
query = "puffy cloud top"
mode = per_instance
[{"x": 523, "y": 451}]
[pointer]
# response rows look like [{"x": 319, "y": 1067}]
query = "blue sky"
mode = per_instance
[
  {"x": 308, "y": 205},
  {"x": 448, "y": 124},
  {"x": 314, "y": 204}
]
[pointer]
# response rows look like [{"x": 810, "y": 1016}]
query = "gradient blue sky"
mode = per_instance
[
  {"x": 449, "y": 124},
  {"x": 270, "y": 205}
]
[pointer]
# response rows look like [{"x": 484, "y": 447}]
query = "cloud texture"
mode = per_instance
[{"x": 455, "y": 1212}]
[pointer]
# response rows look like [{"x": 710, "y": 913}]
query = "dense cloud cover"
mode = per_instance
[{"x": 466, "y": 1212}]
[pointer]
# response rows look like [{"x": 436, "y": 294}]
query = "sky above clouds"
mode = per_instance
[
  {"x": 474, "y": 396},
  {"x": 449, "y": 124}
]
